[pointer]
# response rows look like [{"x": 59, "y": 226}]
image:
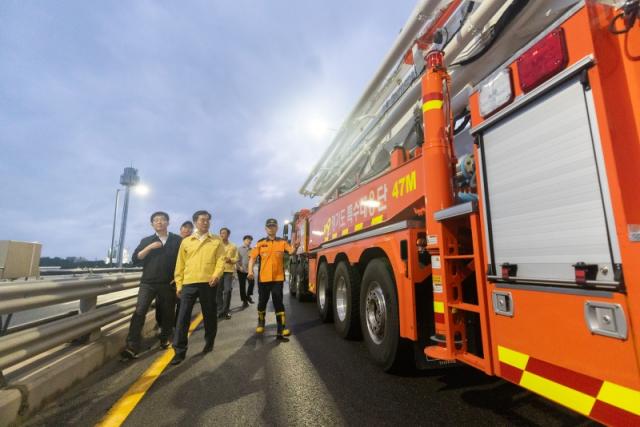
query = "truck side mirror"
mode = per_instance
[{"x": 285, "y": 232}]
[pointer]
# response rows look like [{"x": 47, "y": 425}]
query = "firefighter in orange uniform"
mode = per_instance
[{"x": 271, "y": 251}]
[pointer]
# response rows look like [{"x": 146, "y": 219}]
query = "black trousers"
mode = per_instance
[
  {"x": 176, "y": 303},
  {"x": 207, "y": 296},
  {"x": 242, "y": 279},
  {"x": 165, "y": 301},
  {"x": 274, "y": 289}
]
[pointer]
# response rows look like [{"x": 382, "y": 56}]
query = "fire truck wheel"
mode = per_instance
[
  {"x": 346, "y": 301},
  {"x": 379, "y": 316},
  {"x": 323, "y": 292},
  {"x": 293, "y": 285},
  {"x": 302, "y": 284}
]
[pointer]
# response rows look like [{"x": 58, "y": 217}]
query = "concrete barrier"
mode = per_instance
[{"x": 38, "y": 381}]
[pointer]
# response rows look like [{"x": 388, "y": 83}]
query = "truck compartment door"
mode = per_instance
[{"x": 546, "y": 198}]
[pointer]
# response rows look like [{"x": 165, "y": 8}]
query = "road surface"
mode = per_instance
[{"x": 314, "y": 379}]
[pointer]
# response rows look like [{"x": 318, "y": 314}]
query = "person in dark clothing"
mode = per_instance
[
  {"x": 157, "y": 253},
  {"x": 186, "y": 230},
  {"x": 243, "y": 270}
]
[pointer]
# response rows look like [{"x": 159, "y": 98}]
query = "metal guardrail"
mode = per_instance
[
  {"x": 81, "y": 271},
  {"x": 19, "y": 296}
]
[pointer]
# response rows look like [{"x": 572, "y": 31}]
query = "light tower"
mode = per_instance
[{"x": 129, "y": 178}]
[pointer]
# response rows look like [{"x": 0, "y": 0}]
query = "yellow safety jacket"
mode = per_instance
[
  {"x": 231, "y": 251},
  {"x": 199, "y": 261}
]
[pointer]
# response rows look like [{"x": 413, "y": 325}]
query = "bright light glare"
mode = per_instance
[
  {"x": 317, "y": 233},
  {"x": 286, "y": 221},
  {"x": 370, "y": 203},
  {"x": 317, "y": 127},
  {"x": 141, "y": 189}
]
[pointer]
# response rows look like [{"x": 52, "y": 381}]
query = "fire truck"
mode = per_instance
[{"x": 480, "y": 204}]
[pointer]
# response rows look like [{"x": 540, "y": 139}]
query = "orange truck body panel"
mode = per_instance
[
  {"x": 400, "y": 193},
  {"x": 566, "y": 362}
]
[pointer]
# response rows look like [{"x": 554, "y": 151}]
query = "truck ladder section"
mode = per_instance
[{"x": 453, "y": 237}]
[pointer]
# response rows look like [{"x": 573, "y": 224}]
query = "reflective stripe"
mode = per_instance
[
  {"x": 345, "y": 231},
  {"x": 609, "y": 403},
  {"x": 376, "y": 220},
  {"x": 431, "y": 105},
  {"x": 432, "y": 95},
  {"x": 579, "y": 402},
  {"x": 512, "y": 357},
  {"x": 358, "y": 226},
  {"x": 438, "y": 306},
  {"x": 620, "y": 396}
]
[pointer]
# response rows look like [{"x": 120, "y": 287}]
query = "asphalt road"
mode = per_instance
[{"x": 315, "y": 378}]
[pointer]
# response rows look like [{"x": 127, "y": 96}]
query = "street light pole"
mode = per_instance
[
  {"x": 129, "y": 178},
  {"x": 113, "y": 230}
]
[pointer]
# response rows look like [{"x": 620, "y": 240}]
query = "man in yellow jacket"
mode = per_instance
[{"x": 199, "y": 268}]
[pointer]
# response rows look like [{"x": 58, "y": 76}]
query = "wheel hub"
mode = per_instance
[
  {"x": 376, "y": 313},
  {"x": 322, "y": 294},
  {"x": 341, "y": 299}
]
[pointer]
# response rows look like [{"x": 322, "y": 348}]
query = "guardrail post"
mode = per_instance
[
  {"x": 4, "y": 326},
  {"x": 88, "y": 304}
]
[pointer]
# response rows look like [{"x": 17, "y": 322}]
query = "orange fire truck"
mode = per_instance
[{"x": 481, "y": 203}]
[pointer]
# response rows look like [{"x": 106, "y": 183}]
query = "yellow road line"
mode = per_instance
[{"x": 127, "y": 403}]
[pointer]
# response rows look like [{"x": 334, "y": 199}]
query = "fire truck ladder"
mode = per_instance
[
  {"x": 463, "y": 308},
  {"x": 453, "y": 236}
]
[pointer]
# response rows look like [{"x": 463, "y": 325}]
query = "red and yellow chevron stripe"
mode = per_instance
[{"x": 601, "y": 400}]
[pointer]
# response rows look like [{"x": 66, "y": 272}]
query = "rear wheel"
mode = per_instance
[
  {"x": 323, "y": 292},
  {"x": 302, "y": 282},
  {"x": 379, "y": 317},
  {"x": 293, "y": 284},
  {"x": 346, "y": 297}
]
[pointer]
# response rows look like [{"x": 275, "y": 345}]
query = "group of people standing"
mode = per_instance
[{"x": 200, "y": 265}]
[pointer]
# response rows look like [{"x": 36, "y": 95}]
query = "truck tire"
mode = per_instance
[
  {"x": 346, "y": 301},
  {"x": 302, "y": 283},
  {"x": 379, "y": 317},
  {"x": 293, "y": 285},
  {"x": 323, "y": 292}
]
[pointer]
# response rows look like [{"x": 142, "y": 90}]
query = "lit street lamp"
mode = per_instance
[{"x": 142, "y": 189}]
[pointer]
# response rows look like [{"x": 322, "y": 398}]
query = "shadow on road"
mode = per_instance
[{"x": 366, "y": 395}]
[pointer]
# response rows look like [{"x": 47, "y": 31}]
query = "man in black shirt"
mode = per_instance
[{"x": 157, "y": 253}]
